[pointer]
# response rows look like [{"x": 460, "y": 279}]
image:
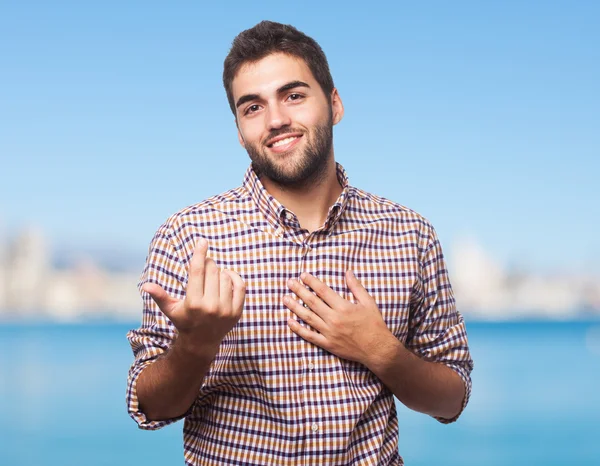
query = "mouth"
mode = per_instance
[{"x": 284, "y": 142}]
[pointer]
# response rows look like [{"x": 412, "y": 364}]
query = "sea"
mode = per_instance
[{"x": 535, "y": 400}]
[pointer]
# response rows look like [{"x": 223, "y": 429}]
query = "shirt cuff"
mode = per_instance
[
  {"x": 133, "y": 405},
  {"x": 466, "y": 378}
]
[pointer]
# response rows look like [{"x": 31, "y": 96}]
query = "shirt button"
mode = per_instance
[
  {"x": 311, "y": 366},
  {"x": 314, "y": 427}
]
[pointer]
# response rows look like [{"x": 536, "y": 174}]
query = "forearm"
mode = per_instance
[
  {"x": 168, "y": 387},
  {"x": 421, "y": 385}
]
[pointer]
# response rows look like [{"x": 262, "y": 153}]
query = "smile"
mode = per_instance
[{"x": 285, "y": 144}]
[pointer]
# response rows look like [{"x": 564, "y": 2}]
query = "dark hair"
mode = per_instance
[{"x": 268, "y": 37}]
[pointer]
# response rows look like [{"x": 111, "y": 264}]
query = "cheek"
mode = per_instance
[
  {"x": 251, "y": 132},
  {"x": 311, "y": 117}
]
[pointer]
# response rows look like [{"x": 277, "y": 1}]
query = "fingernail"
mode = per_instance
[
  {"x": 202, "y": 242},
  {"x": 303, "y": 276}
]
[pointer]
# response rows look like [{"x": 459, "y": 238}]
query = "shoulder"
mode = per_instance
[
  {"x": 371, "y": 206},
  {"x": 218, "y": 208},
  {"x": 404, "y": 227}
]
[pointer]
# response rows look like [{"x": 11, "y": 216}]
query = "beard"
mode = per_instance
[{"x": 307, "y": 168}]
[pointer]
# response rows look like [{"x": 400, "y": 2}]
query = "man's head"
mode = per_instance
[
  {"x": 281, "y": 93},
  {"x": 267, "y": 38}
]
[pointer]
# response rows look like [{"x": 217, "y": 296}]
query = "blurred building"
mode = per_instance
[
  {"x": 3, "y": 272},
  {"x": 483, "y": 288},
  {"x": 27, "y": 269},
  {"x": 30, "y": 287}
]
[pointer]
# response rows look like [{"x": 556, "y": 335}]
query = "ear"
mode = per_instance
[{"x": 337, "y": 106}]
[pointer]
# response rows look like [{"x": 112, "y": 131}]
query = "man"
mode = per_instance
[{"x": 281, "y": 317}]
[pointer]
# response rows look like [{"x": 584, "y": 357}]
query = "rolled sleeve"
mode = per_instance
[
  {"x": 156, "y": 333},
  {"x": 437, "y": 330},
  {"x": 465, "y": 375}
]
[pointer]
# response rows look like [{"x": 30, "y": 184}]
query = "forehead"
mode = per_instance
[{"x": 269, "y": 73}]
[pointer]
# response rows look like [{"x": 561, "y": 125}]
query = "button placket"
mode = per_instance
[{"x": 313, "y": 377}]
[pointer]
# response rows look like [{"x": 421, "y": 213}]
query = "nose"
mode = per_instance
[{"x": 277, "y": 117}]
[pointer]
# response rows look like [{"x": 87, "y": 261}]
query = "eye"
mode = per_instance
[
  {"x": 252, "y": 109},
  {"x": 295, "y": 96}
]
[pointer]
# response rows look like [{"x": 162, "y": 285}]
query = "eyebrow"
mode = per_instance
[{"x": 286, "y": 87}]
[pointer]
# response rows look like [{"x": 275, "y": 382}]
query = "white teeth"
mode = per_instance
[{"x": 283, "y": 141}]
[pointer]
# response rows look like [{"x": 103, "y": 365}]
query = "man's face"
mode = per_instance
[{"x": 284, "y": 119}]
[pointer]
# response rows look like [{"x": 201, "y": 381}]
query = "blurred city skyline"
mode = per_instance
[
  {"x": 482, "y": 117},
  {"x": 33, "y": 286}
]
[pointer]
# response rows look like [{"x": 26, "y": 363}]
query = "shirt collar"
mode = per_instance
[{"x": 273, "y": 210}]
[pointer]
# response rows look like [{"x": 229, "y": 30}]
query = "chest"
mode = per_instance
[{"x": 386, "y": 265}]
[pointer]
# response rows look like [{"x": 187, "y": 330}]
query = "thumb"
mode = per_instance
[
  {"x": 358, "y": 290},
  {"x": 239, "y": 290},
  {"x": 165, "y": 302}
]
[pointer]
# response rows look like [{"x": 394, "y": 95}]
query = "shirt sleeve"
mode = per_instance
[
  {"x": 437, "y": 330},
  {"x": 156, "y": 333}
]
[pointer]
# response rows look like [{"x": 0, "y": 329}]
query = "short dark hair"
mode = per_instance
[{"x": 268, "y": 37}]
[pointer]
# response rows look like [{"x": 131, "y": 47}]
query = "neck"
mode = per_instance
[{"x": 310, "y": 201}]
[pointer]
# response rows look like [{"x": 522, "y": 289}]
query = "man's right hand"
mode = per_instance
[{"x": 212, "y": 306}]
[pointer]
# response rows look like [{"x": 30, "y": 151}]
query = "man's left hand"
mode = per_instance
[{"x": 348, "y": 330}]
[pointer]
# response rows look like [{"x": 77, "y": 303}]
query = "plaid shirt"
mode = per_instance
[{"x": 271, "y": 398}]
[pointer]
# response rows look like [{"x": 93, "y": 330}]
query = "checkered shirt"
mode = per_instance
[{"x": 269, "y": 397}]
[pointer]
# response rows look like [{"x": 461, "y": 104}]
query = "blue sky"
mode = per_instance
[{"x": 482, "y": 116}]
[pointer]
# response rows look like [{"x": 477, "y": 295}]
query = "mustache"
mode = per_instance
[{"x": 280, "y": 132}]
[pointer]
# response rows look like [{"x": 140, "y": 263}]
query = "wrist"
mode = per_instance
[
  {"x": 386, "y": 350},
  {"x": 190, "y": 346}
]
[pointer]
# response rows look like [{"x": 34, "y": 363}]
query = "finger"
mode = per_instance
[
  {"x": 307, "y": 334},
  {"x": 211, "y": 283},
  {"x": 313, "y": 302},
  {"x": 196, "y": 272},
  {"x": 329, "y": 297},
  {"x": 307, "y": 315},
  {"x": 225, "y": 292},
  {"x": 165, "y": 302},
  {"x": 239, "y": 291},
  {"x": 359, "y": 291}
]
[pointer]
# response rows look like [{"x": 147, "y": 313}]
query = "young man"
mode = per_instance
[{"x": 282, "y": 317}]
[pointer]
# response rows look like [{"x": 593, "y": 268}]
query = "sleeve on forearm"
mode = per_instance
[
  {"x": 156, "y": 334},
  {"x": 437, "y": 330}
]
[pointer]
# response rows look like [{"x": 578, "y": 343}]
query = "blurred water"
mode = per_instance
[{"x": 536, "y": 400}]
